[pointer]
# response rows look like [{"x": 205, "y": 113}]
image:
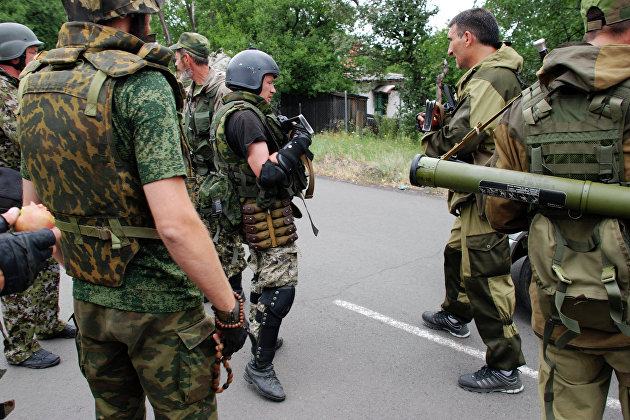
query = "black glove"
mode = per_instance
[
  {"x": 289, "y": 155},
  {"x": 418, "y": 126},
  {"x": 232, "y": 327},
  {"x": 22, "y": 256}
]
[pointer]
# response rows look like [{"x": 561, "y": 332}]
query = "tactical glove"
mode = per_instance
[
  {"x": 232, "y": 327},
  {"x": 289, "y": 155},
  {"x": 4, "y": 225},
  {"x": 22, "y": 256}
]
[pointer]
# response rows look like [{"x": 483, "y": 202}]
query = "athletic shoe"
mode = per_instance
[
  {"x": 488, "y": 379},
  {"x": 41, "y": 359},
  {"x": 439, "y": 321}
]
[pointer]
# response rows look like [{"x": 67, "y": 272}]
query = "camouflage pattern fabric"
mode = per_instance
[
  {"x": 34, "y": 311},
  {"x": 9, "y": 148},
  {"x": 96, "y": 171},
  {"x": 228, "y": 244},
  {"x": 193, "y": 42},
  {"x": 97, "y": 11},
  {"x": 275, "y": 267},
  {"x": 170, "y": 357},
  {"x": 150, "y": 151}
]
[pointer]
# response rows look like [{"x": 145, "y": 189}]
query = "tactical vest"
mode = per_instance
[
  {"x": 197, "y": 122},
  {"x": 68, "y": 145},
  {"x": 243, "y": 178}
]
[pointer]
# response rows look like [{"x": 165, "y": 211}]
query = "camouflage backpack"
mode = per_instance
[{"x": 581, "y": 264}]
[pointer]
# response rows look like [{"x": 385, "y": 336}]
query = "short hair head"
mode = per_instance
[{"x": 479, "y": 22}]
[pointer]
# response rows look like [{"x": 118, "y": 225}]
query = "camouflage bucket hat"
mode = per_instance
[
  {"x": 193, "y": 42},
  {"x": 614, "y": 11}
]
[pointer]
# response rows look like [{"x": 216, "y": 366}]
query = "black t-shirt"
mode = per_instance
[{"x": 242, "y": 129}]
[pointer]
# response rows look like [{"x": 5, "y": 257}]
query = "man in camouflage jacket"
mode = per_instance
[
  {"x": 203, "y": 98},
  {"x": 36, "y": 310},
  {"x": 477, "y": 258},
  {"x": 583, "y": 369},
  {"x": 106, "y": 159}
]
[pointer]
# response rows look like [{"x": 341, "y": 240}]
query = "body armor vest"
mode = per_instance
[
  {"x": 198, "y": 120},
  {"x": 68, "y": 144},
  {"x": 237, "y": 168},
  {"x": 573, "y": 135}
]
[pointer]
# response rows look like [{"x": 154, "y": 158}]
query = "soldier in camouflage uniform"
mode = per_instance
[
  {"x": 259, "y": 171},
  {"x": 564, "y": 125},
  {"x": 102, "y": 149},
  {"x": 203, "y": 98},
  {"x": 36, "y": 310}
]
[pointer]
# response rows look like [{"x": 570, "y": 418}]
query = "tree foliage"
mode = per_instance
[
  {"x": 525, "y": 21},
  {"x": 303, "y": 36},
  {"x": 399, "y": 31},
  {"x": 44, "y": 18}
]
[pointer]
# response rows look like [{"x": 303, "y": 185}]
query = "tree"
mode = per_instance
[
  {"x": 525, "y": 21},
  {"x": 43, "y": 18},
  {"x": 399, "y": 32},
  {"x": 303, "y": 36}
]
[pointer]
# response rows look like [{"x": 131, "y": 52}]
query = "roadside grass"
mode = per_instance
[{"x": 364, "y": 159}]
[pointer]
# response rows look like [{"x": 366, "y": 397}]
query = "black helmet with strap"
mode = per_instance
[
  {"x": 247, "y": 69},
  {"x": 15, "y": 38}
]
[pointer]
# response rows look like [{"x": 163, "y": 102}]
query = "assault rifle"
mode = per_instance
[
  {"x": 298, "y": 122},
  {"x": 451, "y": 103},
  {"x": 584, "y": 197}
]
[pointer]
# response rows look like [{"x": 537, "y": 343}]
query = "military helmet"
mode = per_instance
[
  {"x": 100, "y": 10},
  {"x": 614, "y": 11},
  {"x": 247, "y": 69},
  {"x": 15, "y": 38}
]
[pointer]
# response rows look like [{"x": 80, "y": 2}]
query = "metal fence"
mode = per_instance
[{"x": 328, "y": 111}]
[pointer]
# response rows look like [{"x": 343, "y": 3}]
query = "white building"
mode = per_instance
[{"x": 383, "y": 94}]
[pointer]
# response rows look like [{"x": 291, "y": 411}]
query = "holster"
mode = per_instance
[{"x": 268, "y": 228}]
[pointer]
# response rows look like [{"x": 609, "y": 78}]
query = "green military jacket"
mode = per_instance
[
  {"x": 482, "y": 91},
  {"x": 202, "y": 101}
]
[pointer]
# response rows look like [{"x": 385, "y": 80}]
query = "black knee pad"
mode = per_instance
[{"x": 278, "y": 300}]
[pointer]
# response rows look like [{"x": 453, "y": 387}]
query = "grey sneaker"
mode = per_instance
[
  {"x": 488, "y": 379},
  {"x": 439, "y": 321}
]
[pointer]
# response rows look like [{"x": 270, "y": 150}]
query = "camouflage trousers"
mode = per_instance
[
  {"x": 34, "y": 311},
  {"x": 273, "y": 267},
  {"x": 479, "y": 286},
  {"x": 167, "y": 357}
]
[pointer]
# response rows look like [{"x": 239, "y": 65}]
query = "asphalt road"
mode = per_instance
[{"x": 355, "y": 346}]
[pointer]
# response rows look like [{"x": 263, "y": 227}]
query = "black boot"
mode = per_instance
[
  {"x": 265, "y": 381},
  {"x": 260, "y": 372}
]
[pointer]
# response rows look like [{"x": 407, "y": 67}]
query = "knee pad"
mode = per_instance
[{"x": 278, "y": 300}]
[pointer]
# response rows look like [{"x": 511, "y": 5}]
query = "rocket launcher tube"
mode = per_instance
[{"x": 583, "y": 197}]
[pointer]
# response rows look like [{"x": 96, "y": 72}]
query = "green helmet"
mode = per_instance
[
  {"x": 614, "y": 11},
  {"x": 100, "y": 10},
  {"x": 15, "y": 38}
]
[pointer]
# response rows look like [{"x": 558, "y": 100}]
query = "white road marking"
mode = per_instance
[{"x": 438, "y": 339}]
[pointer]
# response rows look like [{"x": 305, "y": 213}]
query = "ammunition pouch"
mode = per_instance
[
  {"x": 219, "y": 200},
  {"x": 268, "y": 228}
]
